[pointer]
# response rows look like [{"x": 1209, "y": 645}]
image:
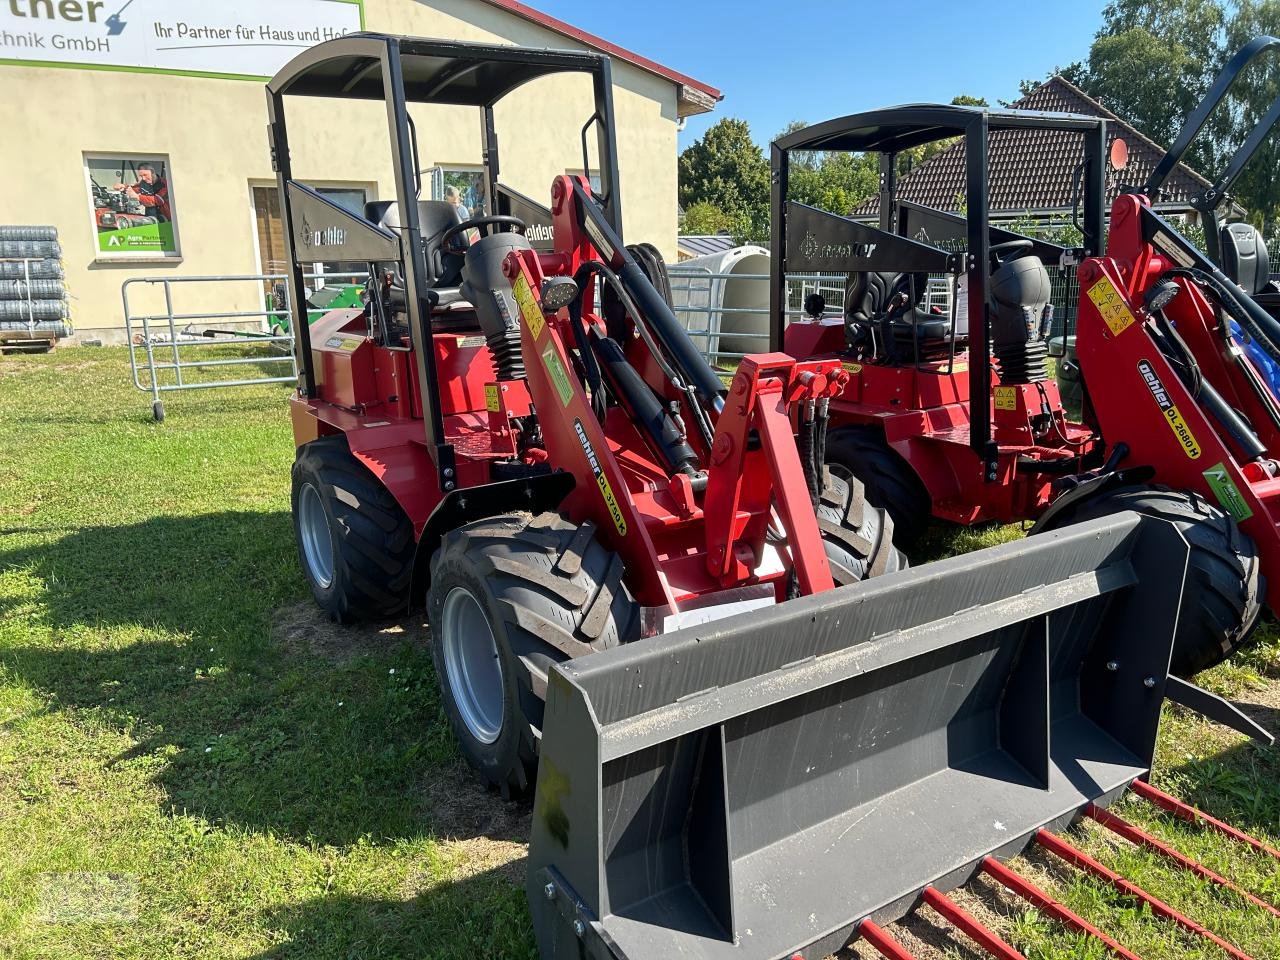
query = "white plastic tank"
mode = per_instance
[{"x": 722, "y": 299}]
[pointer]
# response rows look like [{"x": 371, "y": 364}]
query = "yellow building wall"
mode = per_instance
[{"x": 214, "y": 135}]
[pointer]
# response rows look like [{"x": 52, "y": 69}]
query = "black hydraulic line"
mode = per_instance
[
  {"x": 1204, "y": 393},
  {"x": 658, "y": 315},
  {"x": 823, "y": 414},
  {"x": 645, "y": 409},
  {"x": 1231, "y": 422},
  {"x": 1259, "y": 324},
  {"x": 1260, "y": 388},
  {"x": 589, "y": 361},
  {"x": 806, "y": 447},
  {"x": 629, "y": 306},
  {"x": 654, "y": 312},
  {"x": 632, "y": 308}
]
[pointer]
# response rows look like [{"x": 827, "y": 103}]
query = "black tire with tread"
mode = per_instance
[
  {"x": 858, "y": 537},
  {"x": 1224, "y": 584},
  {"x": 373, "y": 538},
  {"x": 550, "y": 591},
  {"x": 887, "y": 478}
]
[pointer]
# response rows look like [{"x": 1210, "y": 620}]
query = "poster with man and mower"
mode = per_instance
[{"x": 132, "y": 206}]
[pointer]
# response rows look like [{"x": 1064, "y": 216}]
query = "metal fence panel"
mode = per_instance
[{"x": 167, "y": 352}]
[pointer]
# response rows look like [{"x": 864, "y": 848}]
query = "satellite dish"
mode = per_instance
[{"x": 1119, "y": 154}]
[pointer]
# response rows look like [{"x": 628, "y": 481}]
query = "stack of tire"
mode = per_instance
[{"x": 33, "y": 297}]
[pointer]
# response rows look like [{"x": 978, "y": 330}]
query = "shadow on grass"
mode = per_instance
[
  {"x": 163, "y": 629},
  {"x": 483, "y": 915}
]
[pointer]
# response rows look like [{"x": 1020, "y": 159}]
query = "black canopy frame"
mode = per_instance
[
  {"x": 404, "y": 70},
  {"x": 888, "y": 132}
]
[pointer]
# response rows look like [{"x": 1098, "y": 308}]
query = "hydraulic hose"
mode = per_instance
[
  {"x": 665, "y": 437},
  {"x": 658, "y": 316}
]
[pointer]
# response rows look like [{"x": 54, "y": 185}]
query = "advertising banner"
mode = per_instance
[
  {"x": 131, "y": 197},
  {"x": 237, "y": 39}
]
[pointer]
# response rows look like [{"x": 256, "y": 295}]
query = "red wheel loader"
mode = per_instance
[
  {"x": 647, "y": 600},
  {"x": 955, "y": 416}
]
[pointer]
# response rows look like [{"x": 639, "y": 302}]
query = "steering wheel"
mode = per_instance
[
  {"x": 486, "y": 224},
  {"x": 1009, "y": 246}
]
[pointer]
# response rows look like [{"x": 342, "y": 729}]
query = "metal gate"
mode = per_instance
[{"x": 169, "y": 349}]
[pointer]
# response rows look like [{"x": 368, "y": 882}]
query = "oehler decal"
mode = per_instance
[
  {"x": 606, "y": 490},
  {"x": 1180, "y": 429}
]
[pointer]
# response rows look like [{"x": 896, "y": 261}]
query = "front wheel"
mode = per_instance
[
  {"x": 355, "y": 543},
  {"x": 858, "y": 537},
  {"x": 510, "y": 597},
  {"x": 1222, "y": 596}
]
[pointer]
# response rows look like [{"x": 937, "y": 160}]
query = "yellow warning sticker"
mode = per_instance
[
  {"x": 492, "y": 398},
  {"x": 529, "y": 308},
  {"x": 1111, "y": 305},
  {"x": 1006, "y": 398},
  {"x": 852, "y": 367}
]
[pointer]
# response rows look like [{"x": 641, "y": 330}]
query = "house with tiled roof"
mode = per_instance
[{"x": 1031, "y": 170}]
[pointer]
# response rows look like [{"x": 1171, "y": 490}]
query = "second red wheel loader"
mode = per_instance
[
  {"x": 752, "y": 734},
  {"x": 956, "y": 416}
]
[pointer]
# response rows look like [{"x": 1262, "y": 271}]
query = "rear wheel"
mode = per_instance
[
  {"x": 1222, "y": 597},
  {"x": 355, "y": 543},
  {"x": 858, "y": 537},
  {"x": 511, "y": 596},
  {"x": 887, "y": 478}
]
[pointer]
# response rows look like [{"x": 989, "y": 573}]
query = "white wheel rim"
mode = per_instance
[
  {"x": 315, "y": 536},
  {"x": 471, "y": 664}
]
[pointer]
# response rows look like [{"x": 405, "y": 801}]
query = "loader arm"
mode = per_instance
[{"x": 733, "y": 473}]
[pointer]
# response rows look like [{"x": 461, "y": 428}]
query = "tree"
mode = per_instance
[
  {"x": 706, "y": 219},
  {"x": 725, "y": 168},
  {"x": 1151, "y": 63},
  {"x": 1257, "y": 88}
]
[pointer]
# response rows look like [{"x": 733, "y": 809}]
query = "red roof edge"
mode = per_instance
[{"x": 527, "y": 12}]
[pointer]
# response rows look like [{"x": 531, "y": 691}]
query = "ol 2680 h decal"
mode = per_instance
[{"x": 1186, "y": 438}]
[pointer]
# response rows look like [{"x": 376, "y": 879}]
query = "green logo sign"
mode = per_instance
[
  {"x": 559, "y": 378},
  {"x": 1227, "y": 492}
]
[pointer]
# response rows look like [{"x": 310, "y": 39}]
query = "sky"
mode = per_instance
[{"x": 812, "y": 60}]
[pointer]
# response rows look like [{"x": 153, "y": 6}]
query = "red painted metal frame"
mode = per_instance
[
  {"x": 1081, "y": 860},
  {"x": 1184, "y": 811},
  {"x": 1134, "y": 834},
  {"x": 880, "y": 939},
  {"x": 1140, "y": 401},
  {"x": 970, "y": 925},
  {"x": 924, "y": 414},
  {"x": 1047, "y": 904},
  {"x": 673, "y": 547}
]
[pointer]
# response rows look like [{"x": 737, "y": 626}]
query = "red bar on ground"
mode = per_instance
[
  {"x": 1046, "y": 904},
  {"x": 1184, "y": 811},
  {"x": 1078, "y": 858},
  {"x": 970, "y": 925},
  {"x": 1139, "y": 836},
  {"x": 881, "y": 940}
]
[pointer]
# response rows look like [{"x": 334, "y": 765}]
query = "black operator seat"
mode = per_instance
[
  {"x": 1245, "y": 260},
  {"x": 889, "y": 304},
  {"x": 444, "y": 267}
]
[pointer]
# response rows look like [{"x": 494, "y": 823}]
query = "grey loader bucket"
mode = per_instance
[{"x": 757, "y": 786}]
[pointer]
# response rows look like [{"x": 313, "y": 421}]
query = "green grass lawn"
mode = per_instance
[{"x": 194, "y": 765}]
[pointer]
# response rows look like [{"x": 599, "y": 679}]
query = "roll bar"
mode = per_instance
[{"x": 1191, "y": 128}]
